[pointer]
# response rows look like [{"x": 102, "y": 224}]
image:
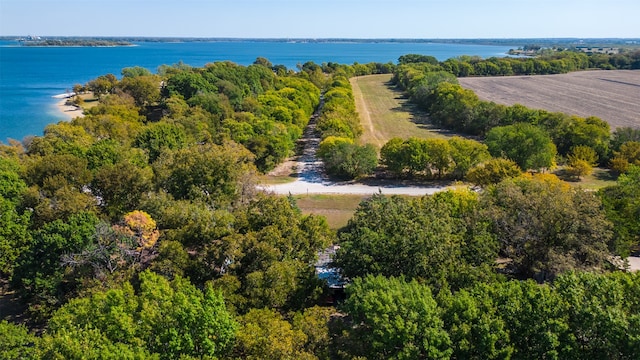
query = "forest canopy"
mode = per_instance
[{"x": 137, "y": 231}]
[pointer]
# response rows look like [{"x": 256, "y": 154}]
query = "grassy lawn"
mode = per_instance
[
  {"x": 598, "y": 179},
  {"x": 385, "y": 113},
  {"x": 89, "y": 100},
  {"x": 275, "y": 179},
  {"x": 337, "y": 209}
]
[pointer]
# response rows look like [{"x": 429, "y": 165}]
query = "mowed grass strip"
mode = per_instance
[{"x": 386, "y": 113}]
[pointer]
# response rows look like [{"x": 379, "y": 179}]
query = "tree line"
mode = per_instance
[{"x": 582, "y": 142}]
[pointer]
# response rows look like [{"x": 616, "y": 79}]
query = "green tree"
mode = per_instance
[
  {"x": 61, "y": 138},
  {"x": 121, "y": 187},
  {"x": 39, "y": 275},
  {"x": 603, "y": 317},
  {"x": 439, "y": 152},
  {"x": 14, "y": 235},
  {"x": 270, "y": 256},
  {"x": 160, "y": 137},
  {"x": 622, "y": 206},
  {"x": 417, "y": 58},
  {"x": 217, "y": 174},
  {"x": 622, "y": 135},
  {"x": 581, "y": 160},
  {"x": 475, "y": 325},
  {"x": 134, "y": 71},
  {"x": 87, "y": 344},
  {"x": 529, "y": 146},
  {"x": 535, "y": 316},
  {"x": 58, "y": 184},
  {"x": 14, "y": 223},
  {"x": 188, "y": 83},
  {"x": 393, "y": 157},
  {"x": 102, "y": 85},
  {"x": 395, "y": 319},
  {"x": 166, "y": 318},
  {"x": 344, "y": 159},
  {"x": 493, "y": 171},
  {"x": 314, "y": 323},
  {"x": 453, "y": 106},
  {"x": 16, "y": 342},
  {"x": 547, "y": 227},
  {"x": 264, "y": 334},
  {"x": 145, "y": 90},
  {"x": 436, "y": 239},
  {"x": 629, "y": 154},
  {"x": 466, "y": 154}
]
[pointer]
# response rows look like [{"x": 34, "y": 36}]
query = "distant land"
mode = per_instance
[{"x": 125, "y": 41}]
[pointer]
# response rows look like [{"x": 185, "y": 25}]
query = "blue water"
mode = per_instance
[{"x": 30, "y": 76}]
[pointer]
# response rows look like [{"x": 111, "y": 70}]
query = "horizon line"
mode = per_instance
[{"x": 327, "y": 38}]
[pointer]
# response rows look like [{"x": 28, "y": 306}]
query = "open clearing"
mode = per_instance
[
  {"x": 337, "y": 209},
  {"x": 612, "y": 95},
  {"x": 386, "y": 113}
]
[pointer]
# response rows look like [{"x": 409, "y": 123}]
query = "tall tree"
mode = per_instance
[
  {"x": 529, "y": 146},
  {"x": 167, "y": 318},
  {"x": 547, "y": 227},
  {"x": 436, "y": 239},
  {"x": 622, "y": 206},
  {"x": 396, "y": 319}
]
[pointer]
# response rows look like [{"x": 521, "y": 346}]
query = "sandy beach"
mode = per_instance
[{"x": 69, "y": 111}]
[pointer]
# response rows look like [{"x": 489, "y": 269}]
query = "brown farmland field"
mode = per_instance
[{"x": 612, "y": 95}]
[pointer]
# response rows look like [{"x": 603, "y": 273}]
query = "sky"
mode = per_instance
[{"x": 362, "y": 19}]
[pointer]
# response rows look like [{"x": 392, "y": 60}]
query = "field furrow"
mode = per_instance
[{"x": 613, "y": 96}]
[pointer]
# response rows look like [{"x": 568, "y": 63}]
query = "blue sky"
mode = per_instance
[{"x": 323, "y": 19}]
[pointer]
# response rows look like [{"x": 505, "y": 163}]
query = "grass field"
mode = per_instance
[
  {"x": 385, "y": 113},
  {"x": 598, "y": 179},
  {"x": 612, "y": 95},
  {"x": 337, "y": 209}
]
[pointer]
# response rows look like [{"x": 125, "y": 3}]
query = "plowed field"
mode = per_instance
[{"x": 612, "y": 95}]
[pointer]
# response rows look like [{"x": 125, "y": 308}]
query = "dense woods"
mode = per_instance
[{"x": 136, "y": 231}]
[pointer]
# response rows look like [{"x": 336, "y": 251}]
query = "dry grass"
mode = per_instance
[
  {"x": 337, "y": 209},
  {"x": 385, "y": 112},
  {"x": 612, "y": 95}
]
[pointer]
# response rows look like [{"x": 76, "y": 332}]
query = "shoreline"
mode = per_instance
[{"x": 69, "y": 111}]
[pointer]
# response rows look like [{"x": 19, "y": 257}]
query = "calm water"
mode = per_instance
[{"x": 30, "y": 76}]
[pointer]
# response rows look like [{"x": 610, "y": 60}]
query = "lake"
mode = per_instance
[{"x": 31, "y": 76}]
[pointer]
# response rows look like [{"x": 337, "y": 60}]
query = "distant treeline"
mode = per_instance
[
  {"x": 543, "y": 42},
  {"x": 74, "y": 42},
  {"x": 554, "y": 63}
]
